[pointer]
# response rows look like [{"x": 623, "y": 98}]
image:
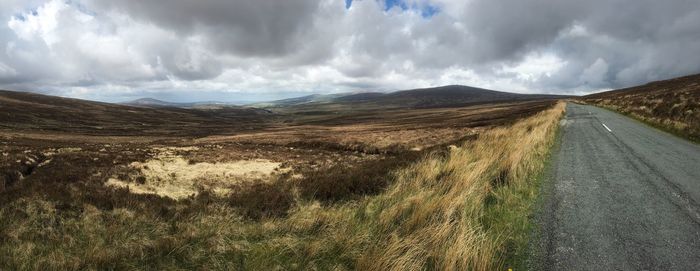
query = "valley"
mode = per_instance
[{"x": 88, "y": 163}]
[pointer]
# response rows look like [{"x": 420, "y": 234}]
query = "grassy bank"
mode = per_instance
[
  {"x": 464, "y": 209},
  {"x": 672, "y": 105},
  {"x": 682, "y": 128},
  {"x": 468, "y": 210}
]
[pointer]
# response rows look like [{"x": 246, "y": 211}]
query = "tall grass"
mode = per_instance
[
  {"x": 453, "y": 213},
  {"x": 467, "y": 209},
  {"x": 685, "y": 124}
]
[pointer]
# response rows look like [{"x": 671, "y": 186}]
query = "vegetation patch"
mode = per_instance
[
  {"x": 342, "y": 181},
  {"x": 672, "y": 105},
  {"x": 177, "y": 178},
  {"x": 459, "y": 208},
  {"x": 448, "y": 213},
  {"x": 262, "y": 199}
]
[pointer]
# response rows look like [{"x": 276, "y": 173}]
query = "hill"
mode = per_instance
[
  {"x": 150, "y": 102},
  {"x": 313, "y": 98},
  {"x": 673, "y": 105},
  {"x": 445, "y": 96},
  {"x": 23, "y": 111},
  {"x": 155, "y": 103},
  {"x": 452, "y": 95}
]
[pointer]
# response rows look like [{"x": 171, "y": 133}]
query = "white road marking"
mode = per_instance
[{"x": 606, "y": 127}]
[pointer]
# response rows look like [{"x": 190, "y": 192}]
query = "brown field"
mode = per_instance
[
  {"x": 673, "y": 105},
  {"x": 218, "y": 189}
]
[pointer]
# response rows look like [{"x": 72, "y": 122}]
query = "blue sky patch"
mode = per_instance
[{"x": 427, "y": 10}]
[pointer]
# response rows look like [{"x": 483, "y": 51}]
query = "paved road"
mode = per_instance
[{"x": 621, "y": 196}]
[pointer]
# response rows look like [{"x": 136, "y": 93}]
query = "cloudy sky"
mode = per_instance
[{"x": 250, "y": 50}]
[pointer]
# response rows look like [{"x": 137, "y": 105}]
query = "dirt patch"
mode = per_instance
[{"x": 178, "y": 178}]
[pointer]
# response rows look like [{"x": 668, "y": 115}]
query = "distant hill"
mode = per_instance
[
  {"x": 155, "y": 103},
  {"x": 313, "y": 98},
  {"x": 24, "y": 110},
  {"x": 453, "y": 95},
  {"x": 446, "y": 96},
  {"x": 150, "y": 102}
]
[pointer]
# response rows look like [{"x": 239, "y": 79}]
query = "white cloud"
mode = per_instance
[
  {"x": 115, "y": 49},
  {"x": 534, "y": 66}
]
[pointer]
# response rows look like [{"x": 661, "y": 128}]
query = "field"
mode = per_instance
[
  {"x": 672, "y": 105},
  {"x": 240, "y": 189}
]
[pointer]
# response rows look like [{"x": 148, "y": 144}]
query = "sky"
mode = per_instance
[{"x": 253, "y": 50}]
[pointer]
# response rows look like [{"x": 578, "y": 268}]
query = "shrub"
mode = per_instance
[
  {"x": 343, "y": 182},
  {"x": 261, "y": 199}
]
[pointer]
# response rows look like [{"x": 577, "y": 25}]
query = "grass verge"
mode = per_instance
[
  {"x": 468, "y": 210},
  {"x": 677, "y": 128}
]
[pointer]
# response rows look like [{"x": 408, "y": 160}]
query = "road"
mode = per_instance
[{"x": 621, "y": 196}]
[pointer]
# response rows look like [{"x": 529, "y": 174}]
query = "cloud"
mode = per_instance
[
  {"x": 6, "y": 71},
  {"x": 111, "y": 50},
  {"x": 266, "y": 28}
]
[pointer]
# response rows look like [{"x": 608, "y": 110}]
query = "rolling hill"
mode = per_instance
[
  {"x": 313, "y": 98},
  {"x": 155, "y": 103},
  {"x": 150, "y": 102},
  {"x": 31, "y": 111},
  {"x": 445, "y": 96}
]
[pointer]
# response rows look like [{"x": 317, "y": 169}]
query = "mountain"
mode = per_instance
[{"x": 453, "y": 95}]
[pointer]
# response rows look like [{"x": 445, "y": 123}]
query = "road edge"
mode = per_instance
[
  {"x": 654, "y": 125},
  {"x": 542, "y": 215}
]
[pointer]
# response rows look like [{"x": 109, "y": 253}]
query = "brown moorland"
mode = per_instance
[{"x": 87, "y": 185}]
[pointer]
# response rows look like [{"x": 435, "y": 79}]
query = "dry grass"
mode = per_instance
[
  {"x": 438, "y": 215},
  {"x": 672, "y": 105},
  {"x": 343, "y": 181},
  {"x": 461, "y": 210},
  {"x": 177, "y": 178}
]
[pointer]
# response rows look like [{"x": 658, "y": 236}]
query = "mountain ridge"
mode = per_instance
[{"x": 449, "y": 95}]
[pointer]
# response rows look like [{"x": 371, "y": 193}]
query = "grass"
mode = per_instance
[
  {"x": 261, "y": 199},
  {"x": 685, "y": 129},
  {"x": 341, "y": 182},
  {"x": 466, "y": 209},
  {"x": 671, "y": 105}
]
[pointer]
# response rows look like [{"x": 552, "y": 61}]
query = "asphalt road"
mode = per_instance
[{"x": 621, "y": 196}]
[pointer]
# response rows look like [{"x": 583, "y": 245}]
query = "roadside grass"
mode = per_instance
[
  {"x": 466, "y": 209},
  {"x": 672, "y": 105},
  {"x": 686, "y": 129}
]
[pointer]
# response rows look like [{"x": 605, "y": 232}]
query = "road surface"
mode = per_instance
[{"x": 621, "y": 196}]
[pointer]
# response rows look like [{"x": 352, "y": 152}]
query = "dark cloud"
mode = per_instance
[
  {"x": 507, "y": 29},
  {"x": 639, "y": 41},
  {"x": 103, "y": 48},
  {"x": 265, "y": 28}
]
